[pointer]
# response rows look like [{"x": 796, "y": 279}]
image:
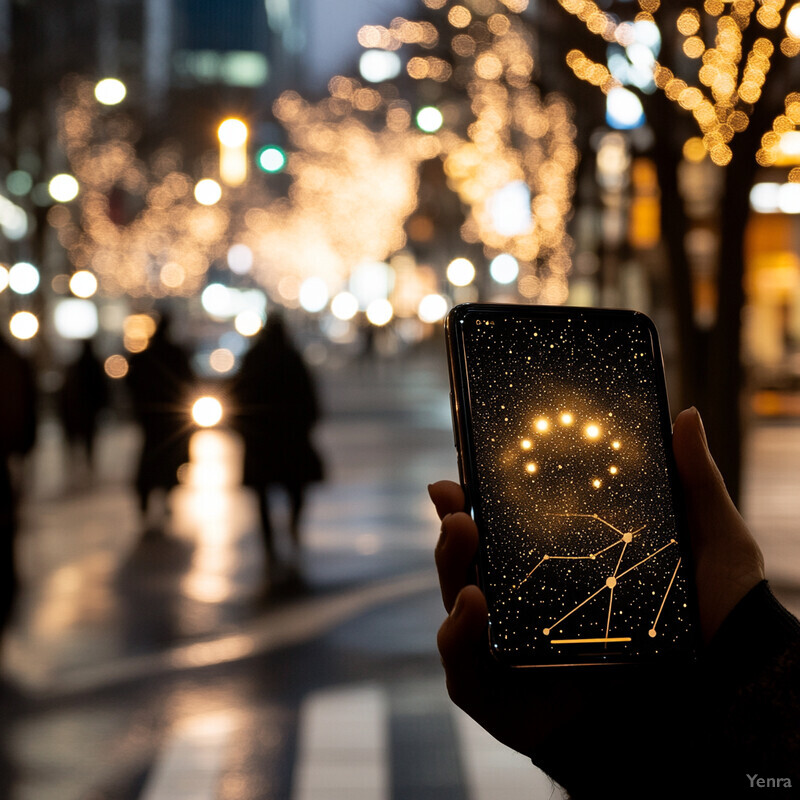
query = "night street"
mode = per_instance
[{"x": 159, "y": 668}]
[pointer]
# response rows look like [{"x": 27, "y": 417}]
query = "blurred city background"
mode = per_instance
[{"x": 177, "y": 175}]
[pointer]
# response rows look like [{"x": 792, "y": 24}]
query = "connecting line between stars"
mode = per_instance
[
  {"x": 625, "y": 539},
  {"x": 611, "y": 582}
]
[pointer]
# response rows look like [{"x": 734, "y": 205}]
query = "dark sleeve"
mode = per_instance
[{"x": 707, "y": 731}]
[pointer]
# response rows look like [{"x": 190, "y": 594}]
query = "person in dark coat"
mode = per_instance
[
  {"x": 276, "y": 411},
  {"x": 84, "y": 395},
  {"x": 160, "y": 381},
  {"x": 18, "y": 416}
]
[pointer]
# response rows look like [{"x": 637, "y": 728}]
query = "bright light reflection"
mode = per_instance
[
  {"x": 110, "y": 91},
  {"x": 83, "y": 284},
  {"x": 23, "y": 325},
  {"x": 207, "y": 411}
]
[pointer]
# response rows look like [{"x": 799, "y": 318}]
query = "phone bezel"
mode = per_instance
[{"x": 460, "y": 404}]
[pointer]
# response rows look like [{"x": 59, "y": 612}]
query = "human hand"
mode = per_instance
[{"x": 522, "y": 709}]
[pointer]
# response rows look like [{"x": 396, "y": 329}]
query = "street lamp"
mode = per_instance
[{"x": 232, "y": 135}]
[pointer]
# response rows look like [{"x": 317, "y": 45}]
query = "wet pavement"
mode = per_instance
[{"x": 161, "y": 667}]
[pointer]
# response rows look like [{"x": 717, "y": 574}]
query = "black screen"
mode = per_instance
[{"x": 582, "y": 556}]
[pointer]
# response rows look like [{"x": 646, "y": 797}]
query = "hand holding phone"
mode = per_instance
[{"x": 563, "y": 435}]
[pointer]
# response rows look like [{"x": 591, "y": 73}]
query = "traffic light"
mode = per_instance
[{"x": 271, "y": 159}]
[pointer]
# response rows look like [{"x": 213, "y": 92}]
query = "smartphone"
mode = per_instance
[{"x": 563, "y": 434}]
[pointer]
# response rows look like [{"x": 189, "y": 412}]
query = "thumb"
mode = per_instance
[{"x": 728, "y": 562}]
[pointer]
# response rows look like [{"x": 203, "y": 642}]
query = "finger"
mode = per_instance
[
  {"x": 728, "y": 562},
  {"x": 447, "y": 496},
  {"x": 462, "y": 642},
  {"x": 455, "y": 555}
]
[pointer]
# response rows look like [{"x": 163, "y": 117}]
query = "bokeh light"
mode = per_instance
[
  {"x": 429, "y": 119},
  {"x": 240, "y": 259},
  {"x": 63, "y": 187},
  {"x": 75, "y": 318},
  {"x": 504, "y": 268},
  {"x": 232, "y": 133},
  {"x": 344, "y": 306},
  {"x": 380, "y": 312},
  {"x": 460, "y": 272},
  {"x": 314, "y": 294},
  {"x": 248, "y": 322},
  {"x": 110, "y": 91},
  {"x": 221, "y": 360},
  {"x": 116, "y": 366},
  {"x": 271, "y": 158},
  {"x": 207, "y": 411},
  {"x": 432, "y": 308},
  {"x": 83, "y": 284},
  {"x": 207, "y": 192},
  {"x": 23, "y": 278},
  {"x": 23, "y": 325}
]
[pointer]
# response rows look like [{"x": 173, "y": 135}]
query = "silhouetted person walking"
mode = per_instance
[
  {"x": 17, "y": 435},
  {"x": 84, "y": 395},
  {"x": 160, "y": 380},
  {"x": 277, "y": 409}
]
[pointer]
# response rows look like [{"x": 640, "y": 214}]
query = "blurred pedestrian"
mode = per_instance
[
  {"x": 84, "y": 394},
  {"x": 160, "y": 380},
  {"x": 277, "y": 408},
  {"x": 17, "y": 434}
]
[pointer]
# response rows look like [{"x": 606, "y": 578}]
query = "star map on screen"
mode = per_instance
[{"x": 582, "y": 558}]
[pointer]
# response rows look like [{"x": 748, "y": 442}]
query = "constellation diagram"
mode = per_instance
[
  {"x": 610, "y": 583},
  {"x": 576, "y": 509}
]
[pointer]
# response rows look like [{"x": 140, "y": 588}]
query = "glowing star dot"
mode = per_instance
[
  {"x": 566, "y": 418},
  {"x": 652, "y": 633},
  {"x": 542, "y": 425},
  {"x": 592, "y": 432},
  {"x": 531, "y": 468},
  {"x": 526, "y": 444},
  {"x": 597, "y": 483},
  {"x": 613, "y": 470},
  {"x": 616, "y": 445}
]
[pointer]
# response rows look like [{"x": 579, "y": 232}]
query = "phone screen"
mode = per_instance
[{"x": 583, "y": 557}]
